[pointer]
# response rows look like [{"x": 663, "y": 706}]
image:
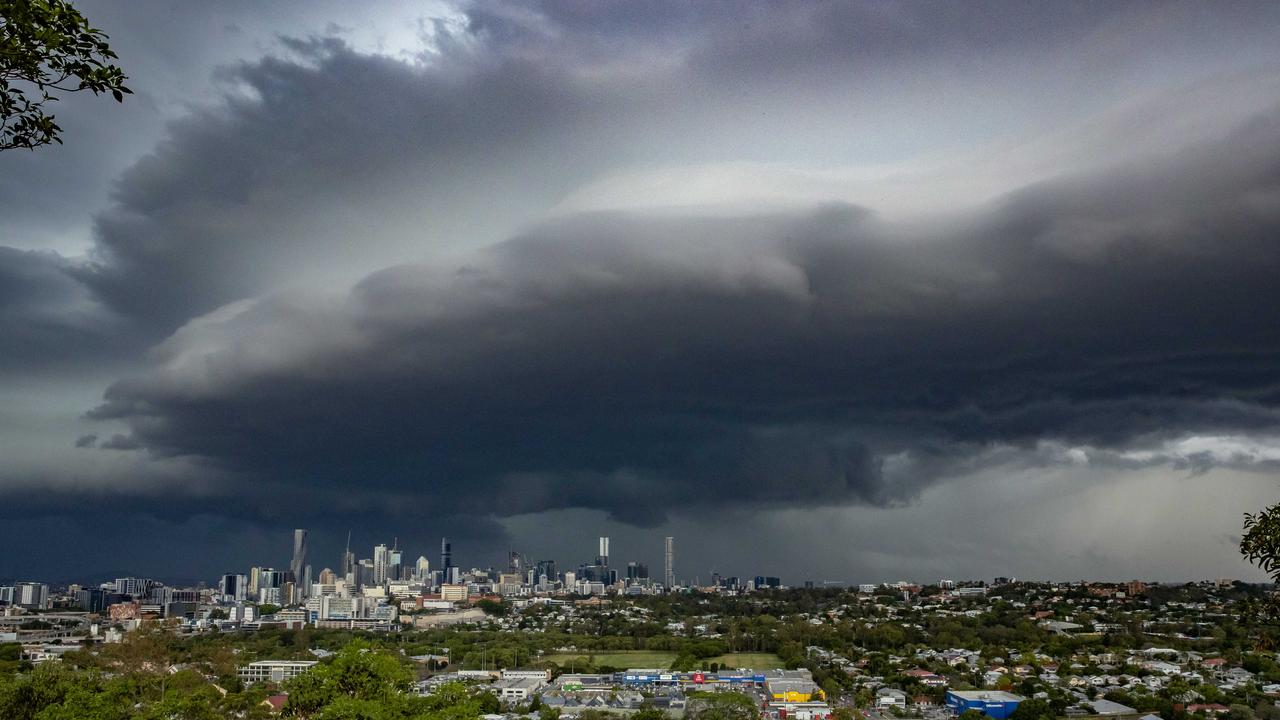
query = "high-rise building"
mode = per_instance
[
  {"x": 422, "y": 569},
  {"x": 545, "y": 572},
  {"x": 603, "y": 558},
  {"x": 446, "y": 556},
  {"x": 381, "y": 558},
  {"x": 269, "y": 578},
  {"x": 298, "y": 564},
  {"x": 233, "y": 588},
  {"x": 32, "y": 596},
  {"x": 327, "y": 577},
  {"x": 347, "y": 568},
  {"x": 669, "y": 577},
  {"x": 137, "y": 587},
  {"x": 637, "y": 571},
  {"x": 95, "y": 600},
  {"x": 395, "y": 565}
]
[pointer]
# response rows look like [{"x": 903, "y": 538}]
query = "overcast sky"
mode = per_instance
[{"x": 830, "y": 291}]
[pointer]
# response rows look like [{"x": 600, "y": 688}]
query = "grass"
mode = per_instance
[
  {"x": 755, "y": 661},
  {"x": 618, "y": 658},
  {"x": 661, "y": 659}
]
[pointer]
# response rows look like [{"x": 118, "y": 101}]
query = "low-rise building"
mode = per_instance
[
  {"x": 276, "y": 671},
  {"x": 995, "y": 704}
]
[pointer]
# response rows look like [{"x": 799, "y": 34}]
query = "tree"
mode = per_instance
[
  {"x": 1033, "y": 710},
  {"x": 724, "y": 706},
  {"x": 48, "y": 47},
  {"x": 358, "y": 674}
]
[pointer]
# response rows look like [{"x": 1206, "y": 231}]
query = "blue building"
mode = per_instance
[{"x": 992, "y": 703}]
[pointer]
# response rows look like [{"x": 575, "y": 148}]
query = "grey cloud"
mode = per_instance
[
  {"x": 638, "y": 364},
  {"x": 120, "y": 441},
  {"x": 48, "y": 320},
  {"x": 87, "y": 441},
  {"x": 339, "y": 161}
]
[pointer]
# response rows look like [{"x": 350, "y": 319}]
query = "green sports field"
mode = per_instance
[
  {"x": 618, "y": 658},
  {"x": 755, "y": 661}
]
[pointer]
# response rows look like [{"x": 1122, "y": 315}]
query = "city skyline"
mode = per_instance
[
  {"x": 377, "y": 566},
  {"x": 824, "y": 290}
]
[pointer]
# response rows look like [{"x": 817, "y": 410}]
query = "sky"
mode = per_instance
[{"x": 858, "y": 291}]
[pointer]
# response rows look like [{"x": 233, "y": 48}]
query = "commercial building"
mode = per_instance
[
  {"x": 32, "y": 596},
  {"x": 992, "y": 703},
  {"x": 517, "y": 689},
  {"x": 453, "y": 593},
  {"x": 669, "y": 562},
  {"x": 276, "y": 671},
  {"x": 793, "y": 686},
  {"x": 234, "y": 588},
  {"x": 297, "y": 565}
]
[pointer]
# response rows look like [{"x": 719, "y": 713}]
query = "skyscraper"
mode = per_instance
[
  {"x": 347, "y": 568},
  {"x": 670, "y": 576},
  {"x": 446, "y": 556},
  {"x": 603, "y": 558},
  {"x": 422, "y": 569},
  {"x": 233, "y": 587},
  {"x": 637, "y": 571},
  {"x": 381, "y": 559},
  {"x": 299, "y": 562},
  {"x": 395, "y": 565}
]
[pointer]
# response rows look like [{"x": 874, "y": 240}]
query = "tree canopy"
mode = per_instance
[{"x": 47, "y": 47}]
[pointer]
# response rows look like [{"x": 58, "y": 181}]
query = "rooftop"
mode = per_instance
[{"x": 988, "y": 695}]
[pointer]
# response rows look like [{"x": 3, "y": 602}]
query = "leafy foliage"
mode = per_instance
[
  {"x": 723, "y": 706},
  {"x": 46, "y": 47},
  {"x": 1261, "y": 541}
]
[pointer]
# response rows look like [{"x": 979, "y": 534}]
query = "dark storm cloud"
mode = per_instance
[
  {"x": 47, "y": 319},
  {"x": 643, "y": 365},
  {"x": 325, "y": 159},
  {"x": 771, "y": 345}
]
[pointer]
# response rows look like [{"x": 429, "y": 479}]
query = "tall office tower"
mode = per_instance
[
  {"x": 137, "y": 587},
  {"x": 327, "y": 577},
  {"x": 670, "y": 576},
  {"x": 32, "y": 596},
  {"x": 446, "y": 556},
  {"x": 255, "y": 577},
  {"x": 546, "y": 571},
  {"x": 347, "y": 568},
  {"x": 299, "y": 563},
  {"x": 269, "y": 578},
  {"x": 381, "y": 559},
  {"x": 603, "y": 557},
  {"x": 422, "y": 569},
  {"x": 395, "y": 565},
  {"x": 637, "y": 571},
  {"x": 233, "y": 588}
]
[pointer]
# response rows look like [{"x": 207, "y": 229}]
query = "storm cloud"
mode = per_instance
[
  {"x": 641, "y": 365},
  {"x": 653, "y": 264}
]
